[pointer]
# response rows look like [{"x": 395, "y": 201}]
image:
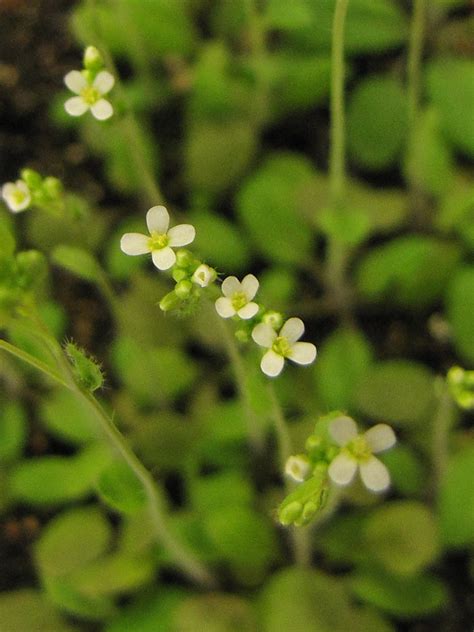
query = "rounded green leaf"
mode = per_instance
[
  {"x": 214, "y": 613},
  {"x": 68, "y": 418},
  {"x": 119, "y": 487},
  {"x": 460, "y": 311},
  {"x": 28, "y": 610},
  {"x": 456, "y": 500},
  {"x": 77, "y": 261},
  {"x": 13, "y": 431}
]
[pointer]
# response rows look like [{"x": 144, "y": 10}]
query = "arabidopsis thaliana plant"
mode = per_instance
[
  {"x": 90, "y": 94},
  {"x": 237, "y": 299},
  {"x": 283, "y": 345},
  {"x": 298, "y": 467},
  {"x": 358, "y": 453},
  {"x": 204, "y": 275},
  {"x": 161, "y": 241},
  {"x": 17, "y": 196}
]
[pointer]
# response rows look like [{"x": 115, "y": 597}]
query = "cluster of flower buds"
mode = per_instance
[
  {"x": 32, "y": 190},
  {"x": 90, "y": 85},
  {"x": 334, "y": 454},
  {"x": 461, "y": 386}
]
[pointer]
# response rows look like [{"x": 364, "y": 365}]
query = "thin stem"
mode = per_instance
[
  {"x": 337, "y": 152},
  {"x": 415, "y": 53},
  {"x": 34, "y": 362},
  {"x": 254, "y": 427},
  {"x": 442, "y": 422},
  {"x": 299, "y": 536}
]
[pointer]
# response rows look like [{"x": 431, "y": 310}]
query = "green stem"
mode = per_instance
[
  {"x": 254, "y": 427},
  {"x": 300, "y": 536},
  {"x": 183, "y": 558},
  {"x": 415, "y": 53},
  {"x": 443, "y": 420}
]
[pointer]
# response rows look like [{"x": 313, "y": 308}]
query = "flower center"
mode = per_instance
[
  {"x": 18, "y": 197},
  {"x": 281, "y": 346},
  {"x": 158, "y": 241},
  {"x": 239, "y": 300},
  {"x": 359, "y": 448},
  {"x": 90, "y": 95}
]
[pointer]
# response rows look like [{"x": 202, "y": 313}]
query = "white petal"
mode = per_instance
[
  {"x": 163, "y": 258},
  {"x": 158, "y": 220},
  {"x": 230, "y": 285},
  {"x": 248, "y": 311},
  {"x": 272, "y": 363},
  {"x": 342, "y": 469},
  {"x": 297, "y": 468},
  {"x": 76, "y": 106},
  {"x": 104, "y": 82},
  {"x": 14, "y": 202},
  {"x": 343, "y": 429},
  {"x": 102, "y": 110},
  {"x": 250, "y": 286},
  {"x": 224, "y": 307},
  {"x": 380, "y": 437},
  {"x": 134, "y": 244},
  {"x": 75, "y": 81},
  {"x": 293, "y": 329},
  {"x": 303, "y": 353},
  {"x": 374, "y": 475},
  {"x": 181, "y": 235},
  {"x": 264, "y": 335}
]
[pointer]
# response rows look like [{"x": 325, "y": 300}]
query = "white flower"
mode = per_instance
[
  {"x": 17, "y": 195},
  {"x": 298, "y": 467},
  {"x": 161, "y": 240},
  {"x": 90, "y": 94},
  {"x": 204, "y": 275},
  {"x": 238, "y": 297},
  {"x": 357, "y": 453},
  {"x": 283, "y": 345}
]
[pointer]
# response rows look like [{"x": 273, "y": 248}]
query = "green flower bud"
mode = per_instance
[
  {"x": 461, "y": 387},
  {"x": 170, "y": 301},
  {"x": 86, "y": 370},
  {"x": 93, "y": 60},
  {"x": 53, "y": 187},
  {"x": 288, "y": 514},
  {"x": 179, "y": 274},
  {"x": 31, "y": 178},
  {"x": 184, "y": 258},
  {"x": 183, "y": 289},
  {"x": 310, "y": 496},
  {"x": 242, "y": 335},
  {"x": 274, "y": 319}
]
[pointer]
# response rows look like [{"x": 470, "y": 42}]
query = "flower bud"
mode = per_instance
[
  {"x": 289, "y": 513},
  {"x": 93, "y": 59},
  {"x": 53, "y": 187},
  {"x": 170, "y": 301},
  {"x": 183, "y": 289},
  {"x": 204, "y": 275},
  {"x": 31, "y": 178},
  {"x": 274, "y": 319},
  {"x": 298, "y": 467},
  {"x": 179, "y": 274},
  {"x": 86, "y": 370},
  {"x": 184, "y": 258}
]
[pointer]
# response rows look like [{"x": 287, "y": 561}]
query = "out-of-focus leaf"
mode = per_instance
[
  {"x": 68, "y": 418},
  {"x": 28, "y": 609},
  {"x": 460, "y": 310},
  {"x": 119, "y": 487},
  {"x": 456, "y": 500},
  {"x": 214, "y": 613},
  {"x": 214, "y": 491},
  {"x": 456, "y": 211},
  {"x": 66, "y": 597},
  {"x": 77, "y": 261},
  {"x": 149, "y": 613},
  {"x": 407, "y": 473},
  {"x": 13, "y": 431}
]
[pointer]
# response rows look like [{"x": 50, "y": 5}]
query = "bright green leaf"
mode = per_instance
[{"x": 456, "y": 500}]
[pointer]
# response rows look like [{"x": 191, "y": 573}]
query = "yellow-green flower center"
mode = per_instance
[
  {"x": 239, "y": 300},
  {"x": 90, "y": 95},
  {"x": 18, "y": 197},
  {"x": 281, "y": 346},
  {"x": 158, "y": 241},
  {"x": 359, "y": 449}
]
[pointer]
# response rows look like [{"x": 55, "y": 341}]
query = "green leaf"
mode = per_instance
[
  {"x": 53, "y": 479},
  {"x": 68, "y": 418},
  {"x": 456, "y": 211},
  {"x": 273, "y": 206},
  {"x": 210, "y": 167},
  {"x": 429, "y": 163},
  {"x": 377, "y": 122},
  {"x": 13, "y": 431},
  {"x": 119, "y": 487},
  {"x": 343, "y": 359},
  {"x": 460, "y": 311},
  {"x": 149, "y": 613},
  {"x": 280, "y": 15},
  {"x": 77, "y": 261},
  {"x": 410, "y": 270},
  {"x": 6, "y": 237},
  {"x": 220, "y": 242},
  {"x": 71, "y": 541},
  {"x": 61, "y": 592},
  {"x": 402, "y": 536},
  {"x": 301, "y": 599},
  {"x": 407, "y": 473},
  {"x": 28, "y": 610},
  {"x": 450, "y": 82},
  {"x": 456, "y": 500},
  {"x": 348, "y": 226},
  {"x": 405, "y": 597},
  {"x": 244, "y": 538},
  {"x": 396, "y": 391},
  {"x": 214, "y": 613},
  {"x": 215, "y": 491}
]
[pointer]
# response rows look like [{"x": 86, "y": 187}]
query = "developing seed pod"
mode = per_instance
[{"x": 86, "y": 370}]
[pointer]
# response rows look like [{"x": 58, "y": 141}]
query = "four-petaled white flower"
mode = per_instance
[
  {"x": 358, "y": 453},
  {"x": 283, "y": 345},
  {"x": 17, "y": 196},
  {"x": 238, "y": 297},
  {"x": 298, "y": 467},
  {"x": 90, "y": 94},
  {"x": 160, "y": 241},
  {"x": 204, "y": 275}
]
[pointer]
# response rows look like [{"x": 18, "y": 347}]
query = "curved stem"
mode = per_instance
[{"x": 34, "y": 362}]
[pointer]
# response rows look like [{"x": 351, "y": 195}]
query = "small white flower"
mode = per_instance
[
  {"x": 204, "y": 275},
  {"x": 358, "y": 453},
  {"x": 283, "y": 345},
  {"x": 17, "y": 196},
  {"x": 160, "y": 241},
  {"x": 298, "y": 467},
  {"x": 238, "y": 297},
  {"x": 90, "y": 94}
]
